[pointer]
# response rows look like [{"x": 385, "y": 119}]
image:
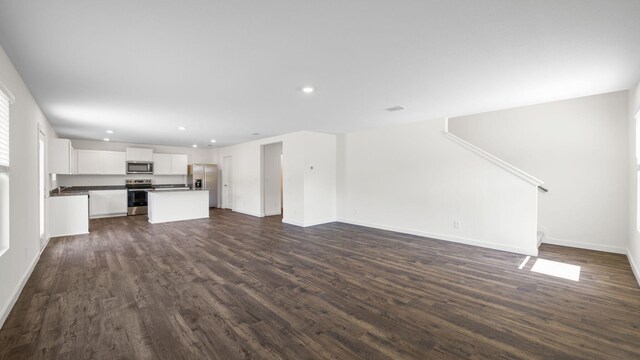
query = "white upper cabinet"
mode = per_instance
[
  {"x": 114, "y": 163},
  {"x": 162, "y": 164},
  {"x": 101, "y": 162},
  {"x": 170, "y": 164},
  {"x": 139, "y": 154},
  {"x": 89, "y": 162},
  {"x": 179, "y": 164},
  {"x": 61, "y": 157}
]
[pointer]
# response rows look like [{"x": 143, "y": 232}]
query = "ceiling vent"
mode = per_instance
[{"x": 396, "y": 108}]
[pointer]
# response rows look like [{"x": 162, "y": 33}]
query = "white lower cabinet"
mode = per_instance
[
  {"x": 68, "y": 215},
  {"x": 105, "y": 203}
]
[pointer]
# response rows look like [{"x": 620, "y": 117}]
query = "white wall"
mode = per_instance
[
  {"x": 272, "y": 179},
  {"x": 293, "y": 168},
  {"x": 634, "y": 234},
  {"x": 320, "y": 179},
  {"x": 413, "y": 179},
  {"x": 579, "y": 148},
  {"x": 195, "y": 156},
  {"x": 301, "y": 151},
  {"x": 24, "y": 245}
]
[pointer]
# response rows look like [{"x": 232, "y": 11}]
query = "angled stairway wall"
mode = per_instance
[
  {"x": 417, "y": 179},
  {"x": 579, "y": 147}
]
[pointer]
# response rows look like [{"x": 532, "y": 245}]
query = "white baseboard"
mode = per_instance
[
  {"x": 307, "y": 223},
  {"x": 45, "y": 245},
  {"x": 461, "y": 240},
  {"x": 16, "y": 293},
  {"x": 63, "y": 235},
  {"x": 293, "y": 222},
  {"x": 318, "y": 222},
  {"x": 249, "y": 213},
  {"x": 588, "y": 246},
  {"x": 634, "y": 267},
  {"x": 106, "y": 216},
  {"x": 272, "y": 213}
]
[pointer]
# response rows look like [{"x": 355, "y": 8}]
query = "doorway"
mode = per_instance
[
  {"x": 227, "y": 182},
  {"x": 272, "y": 179},
  {"x": 42, "y": 189}
]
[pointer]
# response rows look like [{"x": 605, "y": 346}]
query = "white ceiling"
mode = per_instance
[{"x": 226, "y": 69}]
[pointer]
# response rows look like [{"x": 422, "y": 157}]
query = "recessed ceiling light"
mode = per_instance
[
  {"x": 308, "y": 89},
  {"x": 194, "y": 145},
  {"x": 182, "y": 128},
  {"x": 396, "y": 108},
  {"x": 213, "y": 140},
  {"x": 106, "y": 139},
  {"x": 109, "y": 131}
]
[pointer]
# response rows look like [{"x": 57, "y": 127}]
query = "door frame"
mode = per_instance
[
  {"x": 227, "y": 193},
  {"x": 263, "y": 168},
  {"x": 43, "y": 213}
]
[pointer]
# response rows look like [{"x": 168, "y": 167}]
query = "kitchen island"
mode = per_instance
[
  {"x": 177, "y": 205},
  {"x": 68, "y": 214}
]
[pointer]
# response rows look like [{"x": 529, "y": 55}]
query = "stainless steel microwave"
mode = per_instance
[{"x": 139, "y": 167}]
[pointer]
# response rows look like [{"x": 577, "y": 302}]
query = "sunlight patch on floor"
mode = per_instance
[
  {"x": 557, "y": 269},
  {"x": 524, "y": 262}
]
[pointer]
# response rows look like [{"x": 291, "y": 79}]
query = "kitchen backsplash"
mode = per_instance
[{"x": 99, "y": 180}]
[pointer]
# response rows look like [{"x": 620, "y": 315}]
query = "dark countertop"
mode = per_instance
[
  {"x": 96, "y": 188},
  {"x": 84, "y": 190},
  {"x": 175, "y": 190},
  {"x": 68, "y": 193},
  {"x": 168, "y": 186}
]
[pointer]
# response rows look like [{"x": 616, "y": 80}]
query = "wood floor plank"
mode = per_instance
[{"x": 239, "y": 287}]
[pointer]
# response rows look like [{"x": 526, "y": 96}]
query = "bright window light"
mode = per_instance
[
  {"x": 637, "y": 117},
  {"x": 524, "y": 262},
  {"x": 557, "y": 269},
  {"x": 638, "y": 171}
]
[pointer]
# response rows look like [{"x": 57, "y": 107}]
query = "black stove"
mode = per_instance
[
  {"x": 138, "y": 184},
  {"x": 137, "y": 196}
]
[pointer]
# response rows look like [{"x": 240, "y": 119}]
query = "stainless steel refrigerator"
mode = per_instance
[{"x": 205, "y": 177}]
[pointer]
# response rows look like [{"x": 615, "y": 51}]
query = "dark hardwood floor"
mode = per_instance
[{"x": 239, "y": 287}]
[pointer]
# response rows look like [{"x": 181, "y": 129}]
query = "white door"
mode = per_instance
[
  {"x": 227, "y": 186},
  {"x": 42, "y": 186}
]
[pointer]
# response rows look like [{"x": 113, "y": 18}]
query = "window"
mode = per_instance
[
  {"x": 5, "y": 100},
  {"x": 4, "y": 132},
  {"x": 638, "y": 171}
]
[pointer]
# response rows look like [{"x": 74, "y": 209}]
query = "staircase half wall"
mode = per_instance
[{"x": 419, "y": 179}]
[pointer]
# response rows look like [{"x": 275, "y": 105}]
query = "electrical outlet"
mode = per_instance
[{"x": 457, "y": 224}]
